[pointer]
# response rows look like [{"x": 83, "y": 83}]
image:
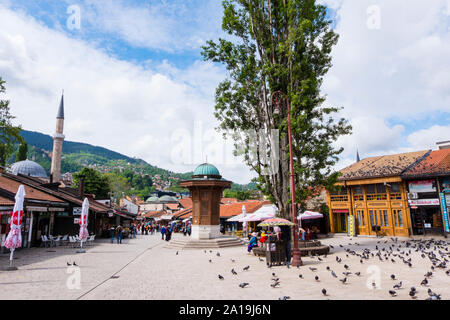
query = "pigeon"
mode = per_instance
[
  {"x": 343, "y": 280},
  {"x": 424, "y": 282},
  {"x": 319, "y": 259},
  {"x": 358, "y": 273},
  {"x": 324, "y": 292},
  {"x": 210, "y": 260},
  {"x": 274, "y": 285},
  {"x": 232, "y": 260},
  {"x": 374, "y": 285},
  {"x": 312, "y": 269},
  {"x": 398, "y": 285},
  {"x": 346, "y": 273},
  {"x": 284, "y": 298},
  {"x": 204, "y": 251},
  {"x": 346, "y": 267},
  {"x": 243, "y": 284},
  {"x": 316, "y": 278},
  {"x": 210, "y": 251},
  {"x": 392, "y": 293},
  {"x": 300, "y": 276},
  {"x": 74, "y": 264},
  {"x": 69, "y": 264},
  {"x": 246, "y": 268},
  {"x": 218, "y": 254},
  {"x": 393, "y": 276},
  {"x": 276, "y": 279},
  {"x": 177, "y": 253},
  {"x": 333, "y": 274},
  {"x": 220, "y": 277},
  {"x": 260, "y": 259},
  {"x": 331, "y": 246},
  {"x": 233, "y": 271},
  {"x": 328, "y": 268}
]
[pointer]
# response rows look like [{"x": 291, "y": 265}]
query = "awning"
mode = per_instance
[{"x": 310, "y": 215}]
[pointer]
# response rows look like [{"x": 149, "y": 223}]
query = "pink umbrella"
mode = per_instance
[
  {"x": 310, "y": 215},
  {"x": 14, "y": 239},
  {"x": 84, "y": 234}
]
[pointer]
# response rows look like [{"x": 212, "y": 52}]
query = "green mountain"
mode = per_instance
[{"x": 77, "y": 155}]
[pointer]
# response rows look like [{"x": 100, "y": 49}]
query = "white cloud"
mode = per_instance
[
  {"x": 108, "y": 102},
  {"x": 427, "y": 138},
  {"x": 400, "y": 71}
]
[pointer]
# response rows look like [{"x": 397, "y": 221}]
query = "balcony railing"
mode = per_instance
[
  {"x": 396, "y": 196},
  {"x": 376, "y": 197},
  {"x": 358, "y": 197},
  {"x": 339, "y": 198}
]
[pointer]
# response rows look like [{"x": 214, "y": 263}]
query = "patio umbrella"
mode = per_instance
[
  {"x": 14, "y": 239},
  {"x": 84, "y": 234},
  {"x": 275, "y": 222},
  {"x": 309, "y": 215}
]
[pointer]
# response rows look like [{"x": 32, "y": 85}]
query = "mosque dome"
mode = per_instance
[
  {"x": 167, "y": 199},
  {"x": 207, "y": 170},
  {"x": 29, "y": 168}
]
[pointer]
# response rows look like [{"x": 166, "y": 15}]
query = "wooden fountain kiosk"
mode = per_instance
[{"x": 206, "y": 188}]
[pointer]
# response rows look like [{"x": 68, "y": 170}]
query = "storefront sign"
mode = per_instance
[
  {"x": 5, "y": 212},
  {"x": 446, "y": 185},
  {"x": 56, "y": 209},
  {"x": 424, "y": 202},
  {"x": 340, "y": 211},
  {"x": 445, "y": 212},
  {"x": 77, "y": 211},
  {"x": 421, "y": 186},
  {"x": 37, "y": 209},
  {"x": 110, "y": 214},
  {"x": 76, "y": 221}
]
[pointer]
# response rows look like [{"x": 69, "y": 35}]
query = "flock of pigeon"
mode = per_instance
[{"x": 391, "y": 251}]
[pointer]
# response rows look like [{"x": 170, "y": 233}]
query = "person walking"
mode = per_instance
[
  {"x": 146, "y": 229},
  {"x": 142, "y": 228},
  {"x": 168, "y": 233},
  {"x": 112, "y": 233},
  {"x": 119, "y": 232},
  {"x": 286, "y": 237},
  {"x": 163, "y": 231},
  {"x": 189, "y": 230}
]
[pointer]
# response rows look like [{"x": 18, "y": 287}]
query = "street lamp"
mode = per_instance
[{"x": 278, "y": 95}]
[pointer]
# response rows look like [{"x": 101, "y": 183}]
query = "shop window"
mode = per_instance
[
  {"x": 370, "y": 189},
  {"x": 395, "y": 187},
  {"x": 395, "y": 217},
  {"x": 376, "y": 192},
  {"x": 386, "y": 218},
  {"x": 372, "y": 218},
  {"x": 358, "y": 193},
  {"x": 360, "y": 217},
  {"x": 381, "y": 188},
  {"x": 400, "y": 218}
]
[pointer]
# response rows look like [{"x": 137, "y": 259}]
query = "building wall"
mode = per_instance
[{"x": 390, "y": 210}]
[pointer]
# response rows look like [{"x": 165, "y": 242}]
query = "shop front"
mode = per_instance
[
  {"x": 340, "y": 218},
  {"x": 425, "y": 208}
]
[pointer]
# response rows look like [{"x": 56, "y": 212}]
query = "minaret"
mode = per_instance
[
  {"x": 58, "y": 139},
  {"x": 357, "y": 156}
]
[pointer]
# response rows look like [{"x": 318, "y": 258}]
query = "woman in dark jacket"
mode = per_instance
[{"x": 168, "y": 233}]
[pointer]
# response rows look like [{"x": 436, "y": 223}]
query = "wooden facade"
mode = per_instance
[{"x": 374, "y": 202}]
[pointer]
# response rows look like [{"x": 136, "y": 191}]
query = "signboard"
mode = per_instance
[
  {"x": 351, "y": 226},
  {"x": 57, "y": 209},
  {"x": 110, "y": 214},
  {"x": 445, "y": 212},
  {"x": 424, "y": 202},
  {"x": 340, "y": 211},
  {"x": 76, "y": 220},
  {"x": 77, "y": 211},
  {"x": 5, "y": 212},
  {"x": 40, "y": 209},
  {"x": 446, "y": 185},
  {"x": 421, "y": 186}
]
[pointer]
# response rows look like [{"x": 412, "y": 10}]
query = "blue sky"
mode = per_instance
[{"x": 135, "y": 81}]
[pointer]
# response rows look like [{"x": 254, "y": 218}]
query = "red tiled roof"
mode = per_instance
[
  {"x": 6, "y": 202},
  {"x": 234, "y": 209},
  {"x": 381, "y": 166},
  {"x": 437, "y": 162},
  {"x": 30, "y": 192},
  {"x": 186, "y": 202},
  {"x": 183, "y": 214},
  {"x": 172, "y": 206},
  {"x": 153, "y": 214}
]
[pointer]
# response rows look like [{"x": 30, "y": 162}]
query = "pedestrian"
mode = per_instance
[
  {"x": 146, "y": 229},
  {"x": 168, "y": 233},
  {"x": 286, "y": 237},
  {"x": 157, "y": 227},
  {"x": 142, "y": 228},
  {"x": 253, "y": 242},
  {"x": 184, "y": 231},
  {"x": 135, "y": 231},
  {"x": 189, "y": 230},
  {"x": 112, "y": 233},
  {"x": 119, "y": 232},
  {"x": 163, "y": 231}
]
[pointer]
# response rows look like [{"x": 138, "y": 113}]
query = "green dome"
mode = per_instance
[{"x": 206, "y": 169}]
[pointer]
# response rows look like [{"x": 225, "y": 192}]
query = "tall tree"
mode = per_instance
[
  {"x": 9, "y": 134},
  {"x": 22, "y": 152},
  {"x": 118, "y": 185},
  {"x": 94, "y": 182},
  {"x": 279, "y": 45}
]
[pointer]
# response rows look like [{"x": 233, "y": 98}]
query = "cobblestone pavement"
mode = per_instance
[{"x": 144, "y": 268}]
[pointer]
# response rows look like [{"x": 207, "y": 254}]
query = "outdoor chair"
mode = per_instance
[
  {"x": 45, "y": 241},
  {"x": 65, "y": 239},
  {"x": 90, "y": 240},
  {"x": 72, "y": 241},
  {"x": 57, "y": 241}
]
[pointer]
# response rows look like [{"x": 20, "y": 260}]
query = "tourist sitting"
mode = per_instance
[{"x": 253, "y": 242}]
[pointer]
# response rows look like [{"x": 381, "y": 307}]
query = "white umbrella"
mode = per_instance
[
  {"x": 309, "y": 215},
  {"x": 84, "y": 234},
  {"x": 14, "y": 239}
]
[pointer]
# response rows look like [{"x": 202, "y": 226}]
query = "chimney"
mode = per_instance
[{"x": 82, "y": 188}]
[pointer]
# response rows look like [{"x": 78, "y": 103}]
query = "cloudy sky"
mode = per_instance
[{"x": 135, "y": 82}]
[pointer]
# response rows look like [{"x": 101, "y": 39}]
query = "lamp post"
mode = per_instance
[{"x": 296, "y": 259}]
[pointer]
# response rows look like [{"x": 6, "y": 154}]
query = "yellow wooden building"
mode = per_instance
[{"x": 372, "y": 190}]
